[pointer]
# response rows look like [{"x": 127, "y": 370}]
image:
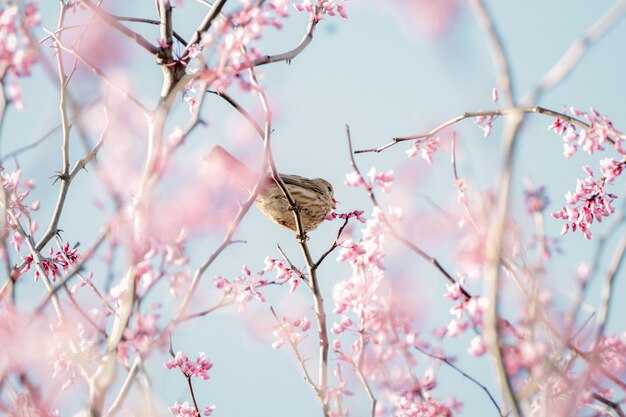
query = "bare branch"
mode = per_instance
[
  {"x": 498, "y": 52},
  {"x": 393, "y": 231},
  {"x": 464, "y": 374},
  {"x": 486, "y": 113},
  {"x": 577, "y": 50}
]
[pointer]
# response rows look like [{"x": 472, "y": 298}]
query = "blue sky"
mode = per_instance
[{"x": 380, "y": 74}]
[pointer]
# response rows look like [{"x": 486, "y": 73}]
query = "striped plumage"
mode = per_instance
[{"x": 313, "y": 196}]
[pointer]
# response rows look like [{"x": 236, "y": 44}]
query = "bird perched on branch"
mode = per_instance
[{"x": 314, "y": 196}]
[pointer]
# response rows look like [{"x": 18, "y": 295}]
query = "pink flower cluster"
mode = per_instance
[
  {"x": 163, "y": 259},
  {"x": 62, "y": 258},
  {"x": 593, "y": 202},
  {"x": 198, "y": 368},
  {"x": 141, "y": 337},
  {"x": 229, "y": 47},
  {"x": 612, "y": 353},
  {"x": 468, "y": 313},
  {"x": 383, "y": 180},
  {"x": 535, "y": 200},
  {"x": 187, "y": 410},
  {"x": 292, "y": 332},
  {"x": 523, "y": 356},
  {"x": 30, "y": 405},
  {"x": 590, "y": 200},
  {"x": 283, "y": 271},
  {"x": 322, "y": 7},
  {"x": 244, "y": 288},
  {"x": 369, "y": 252},
  {"x": 357, "y": 214},
  {"x": 16, "y": 191},
  {"x": 425, "y": 147},
  {"x": 18, "y": 54},
  {"x": 484, "y": 123},
  {"x": 593, "y": 139},
  {"x": 428, "y": 407},
  {"x": 382, "y": 325}
]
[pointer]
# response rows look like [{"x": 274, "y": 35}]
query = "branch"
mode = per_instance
[
  {"x": 214, "y": 11},
  {"x": 607, "y": 288},
  {"x": 498, "y": 52},
  {"x": 124, "y": 390},
  {"x": 100, "y": 74},
  {"x": 76, "y": 268},
  {"x": 496, "y": 231},
  {"x": 240, "y": 109},
  {"x": 320, "y": 313},
  {"x": 485, "y": 113},
  {"x": 334, "y": 245},
  {"x": 149, "y": 21},
  {"x": 577, "y": 50},
  {"x": 464, "y": 374},
  {"x": 289, "y": 55},
  {"x": 300, "y": 359},
  {"x": 393, "y": 231},
  {"x": 615, "y": 406}
]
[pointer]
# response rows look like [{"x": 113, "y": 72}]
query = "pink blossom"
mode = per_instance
[
  {"x": 59, "y": 260},
  {"x": 484, "y": 124},
  {"x": 322, "y": 7},
  {"x": 183, "y": 410},
  {"x": 353, "y": 179},
  {"x": 591, "y": 140},
  {"x": 382, "y": 180},
  {"x": 198, "y": 368},
  {"x": 477, "y": 346},
  {"x": 287, "y": 332},
  {"x": 494, "y": 96},
  {"x": 27, "y": 404},
  {"x": 612, "y": 351},
  {"x": 358, "y": 214},
  {"x": 589, "y": 202},
  {"x": 535, "y": 200},
  {"x": 426, "y": 147}
]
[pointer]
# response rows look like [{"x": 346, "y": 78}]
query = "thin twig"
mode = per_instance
[
  {"x": 100, "y": 74},
  {"x": 494, "y": 244},
  {"x": 299, "y": 358},
  {"x": 290, "y": 55},
  {"x": 485, "y": 113},
  {"x": 240, "y": 109},
  {"x": 222, "y": 303},
  {"x": 464, "y": 374},
  {"x": 394, "y": 232},
  {"x": 213, "y": 12},
  {"x": 577, "y": 50},
  {"x": 615, "y": 406},
  {"x": 498, "y": 52},
  {"x": 607, "y": 288},
  {"x": 116, "y": 406},
  {"x": 334, "y": 245},
  {"x": 149, "y": 21},
  {"x": 318, "y": 300}
]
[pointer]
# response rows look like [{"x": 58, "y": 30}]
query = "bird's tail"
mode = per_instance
[{"x": 232, "y": 166}]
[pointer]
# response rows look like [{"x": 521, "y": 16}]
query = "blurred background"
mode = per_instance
[{"x": 392, "y": 68}]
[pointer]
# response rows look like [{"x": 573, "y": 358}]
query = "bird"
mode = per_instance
[{"x": 314, "y": 197}]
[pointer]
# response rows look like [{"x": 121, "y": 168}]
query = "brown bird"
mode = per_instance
[{"x": 313, "y": 196}]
